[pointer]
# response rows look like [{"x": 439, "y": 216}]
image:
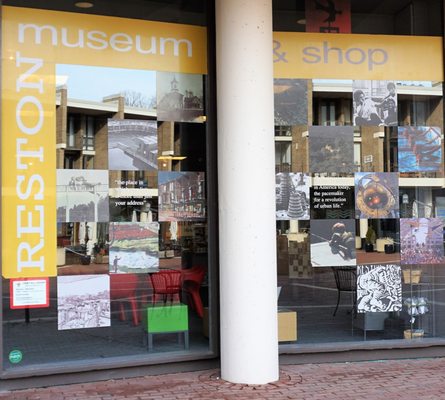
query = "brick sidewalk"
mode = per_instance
[{"x": 406, "y": 379}]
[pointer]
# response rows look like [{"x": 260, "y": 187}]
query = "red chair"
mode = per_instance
[
  {"x": 123, "y": 289},
  {"x": 191, "y": 282},
  {"x": 166, "y": 284}
]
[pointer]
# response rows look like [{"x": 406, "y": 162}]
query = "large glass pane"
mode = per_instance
[
  {"x": 123, "y": 268},
  {"x": 360, "y": 244}
]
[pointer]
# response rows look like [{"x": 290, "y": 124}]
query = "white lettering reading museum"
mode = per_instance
[{"x": 98, "y": 40}]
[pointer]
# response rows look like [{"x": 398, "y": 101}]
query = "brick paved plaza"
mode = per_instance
[{"x": 403, "y": 379}]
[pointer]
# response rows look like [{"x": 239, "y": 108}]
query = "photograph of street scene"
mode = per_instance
[{"x": 181, "y": 196}]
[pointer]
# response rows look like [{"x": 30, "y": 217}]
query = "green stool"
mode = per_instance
[{"x": 168, "y": 318}]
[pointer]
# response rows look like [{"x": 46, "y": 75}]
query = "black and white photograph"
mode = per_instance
[
  {"x": 290, "y": 102},
  {"x": 82, "y": 195},
  {"x": 379, "y": 288},
  {"x": 374, "y": 103},
  {"x": 377, "y": 195},
  {"x": 180, "y": 97},
  {"x": 136, "y": 205},
  {"x": 181, "y": 196},
  {"x": 332, "y": 202},
  {"x": 132, "y": 145},
  {"x": 332, "y": 242},
  {"x": 83, "y": 301},
  {"x": 292, "y": 195},
  {"x": 331, "y": 149}
]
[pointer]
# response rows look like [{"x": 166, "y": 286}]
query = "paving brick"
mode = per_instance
[{"x": 384, "y": 380}]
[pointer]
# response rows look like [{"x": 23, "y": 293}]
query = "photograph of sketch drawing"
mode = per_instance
[
  {"x": 180, "y": 97},
  {"x": 134, "y": 247},
  {"x": 292, "y": 195},
  {"x": 332, "y": 242},
  {"x": 82, "y": 195},
  {"x": 132, "y": 145},
  {"x": 379, "y": 288},
  {"x": 419, "y": 148},
  {"x": 83, "y": 301}
]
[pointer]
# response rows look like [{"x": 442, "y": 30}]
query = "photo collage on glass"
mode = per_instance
[
  {"x": 115, "y": 184},
  {"x": 338, "y": 199}
]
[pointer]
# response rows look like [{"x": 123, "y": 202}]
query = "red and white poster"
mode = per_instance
[
  {"x": 29, "y": 293},
  {"x": 328, "y": 16}
]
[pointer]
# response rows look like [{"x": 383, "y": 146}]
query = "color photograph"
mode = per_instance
[
  {"x": 331, "y": 149},
  {"x": 374, "y": 103},
  {"x": 134, "y": 247},
  {"x": 379, "y": 288},
  {"x": 180, "y": 97},
  {"x": 332, "y": 242},
  {"x": 100, "y": 84},
  {"x": 377, "y": 195},
  {"x": 290, "y": 101},
  {"x": 421, "y": 241},
  {"x": 181, "y": 196},
  {"x": 328, "y": 16},
  {"x": 381, "y": 242},
  {"x": 82, "y": 195},
  {"x": 82, "y": 248},
  {"x": 420, "y": 149},
  {"x": 132, "y": 145},
  {"x": 292, "y": 195},
  {"x": 83, "y": 301}
]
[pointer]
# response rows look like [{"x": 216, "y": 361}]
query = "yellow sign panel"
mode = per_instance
[
  {"x": 346, "y": 56},
  {"x": 71, "y": 38},
  {"x": 34, "y": 41}
]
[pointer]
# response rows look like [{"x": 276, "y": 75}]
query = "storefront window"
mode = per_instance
[
  {"x": 108, "y": 256},
  {"x": 360, "y": 232}
]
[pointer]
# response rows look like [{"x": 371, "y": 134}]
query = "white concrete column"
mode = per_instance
[{"x": 248, "y": 277}]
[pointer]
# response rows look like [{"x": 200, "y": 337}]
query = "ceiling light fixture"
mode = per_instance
[{"x": 84, "y": 4}]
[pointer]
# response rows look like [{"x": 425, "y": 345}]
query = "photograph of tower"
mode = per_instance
[
  {"x": 82, "y": 195},
  {"x": 421, "y": 241},
  {"x": 377, "y": 195},
  {"x": 420, "y": 148},
  {"x": 180, "y": 97},
  {"x": 132, "y": 145},
  {"x": 290, "y": 99},
  {"x": 292, "y": 195},
  {"x": 331, "y": 149},
  {"x": 181, "y": 196}
]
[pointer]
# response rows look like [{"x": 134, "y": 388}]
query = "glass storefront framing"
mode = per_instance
[
  {"x": 332, "y": 107},
  {"x": 183, "y": 146}
]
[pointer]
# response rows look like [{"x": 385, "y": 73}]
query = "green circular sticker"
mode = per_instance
[{"x": 15, "y": 356}]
